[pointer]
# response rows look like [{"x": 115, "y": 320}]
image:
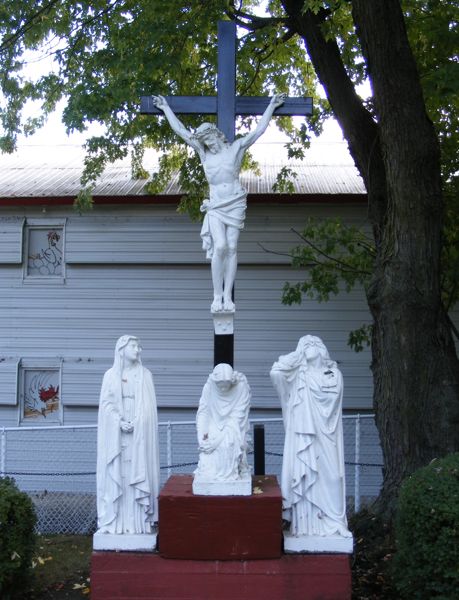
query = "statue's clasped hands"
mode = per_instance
[{"x": 126, "y": 426}]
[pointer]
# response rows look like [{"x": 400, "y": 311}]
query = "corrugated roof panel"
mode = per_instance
[{"x": 35, "y": 171}]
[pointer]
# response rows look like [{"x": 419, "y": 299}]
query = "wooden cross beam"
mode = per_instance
[{"x": 226, "y": 105}]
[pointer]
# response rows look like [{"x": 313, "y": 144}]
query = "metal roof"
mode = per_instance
[{"x": 54, "y": 171}]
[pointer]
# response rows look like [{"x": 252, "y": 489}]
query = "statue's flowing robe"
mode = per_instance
[
  {"x": 312, "y": 480},
  {"x": 228, "y": 209},
  {"x": 224, "y": 417},
  {"x": 144, "y": 476}
]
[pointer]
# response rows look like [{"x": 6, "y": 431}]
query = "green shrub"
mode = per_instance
[
  {"x": 426, "y": 562},
  {"x": 17, "y": 539}
]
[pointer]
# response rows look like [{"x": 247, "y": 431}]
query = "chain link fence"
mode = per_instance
[{"x": 56, "y": 465}]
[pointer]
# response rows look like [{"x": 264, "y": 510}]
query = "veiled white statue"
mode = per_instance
[
  {"x": 127, "y": 445},
  {"x": 222, "y": 424},
  {"x": 226, "y": 205},
  {"x": 310, "y": 388}
]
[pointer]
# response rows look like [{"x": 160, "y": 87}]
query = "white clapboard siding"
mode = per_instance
[
  {"x": 168, "y": 308},
  {"x": 268, "y": 329},
  {"x": 165, "y": 301},
  {"x": 146, "y": 275},
  {"x": 158, "y": 237},
  {"x": 11, "y": 239},
  {"x": 8, "y": 379},
  {"x": 162, "y": 236}
]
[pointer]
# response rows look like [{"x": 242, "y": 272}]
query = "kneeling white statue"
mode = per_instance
[
  {"x": 222, "y": 425},
  {"x": 127, "y": 450},
  {"x": 310, "y": 388}
]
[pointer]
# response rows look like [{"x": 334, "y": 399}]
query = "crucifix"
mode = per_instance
[{"x": 221, "y": 157}]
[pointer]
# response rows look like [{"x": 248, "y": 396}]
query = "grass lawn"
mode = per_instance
[{"x": 61, "y": 570}]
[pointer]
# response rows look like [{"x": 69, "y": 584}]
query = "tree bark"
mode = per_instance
[{"x": 415, "y": 366}]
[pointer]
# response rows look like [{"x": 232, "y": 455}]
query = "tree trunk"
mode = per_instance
[{"x": 415, "y": 367}]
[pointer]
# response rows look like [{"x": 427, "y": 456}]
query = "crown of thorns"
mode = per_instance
[{"x": 207, "y": 129}]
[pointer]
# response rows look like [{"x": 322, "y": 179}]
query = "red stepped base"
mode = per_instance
[
  {"x": 220, "y": 527},
  {"x": 139, "y": 576}
]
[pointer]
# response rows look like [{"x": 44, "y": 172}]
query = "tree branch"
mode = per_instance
[
  {"x": 342, "y": 265},
  {"x": 30, "y": 22},
  {"x": 251, "y": 22},
  {"x": 278, "y": 253},
  {"x": 357, "y": 124},
  {"x": 260, "y": 59},
  {"x": 71, "y": 47}
]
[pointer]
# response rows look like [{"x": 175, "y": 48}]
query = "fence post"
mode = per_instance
[
  {"x": 259, "y": 448},
  {"x": 169, "y": 448},
  {"x": 357, "y": 465},
  {"x": 3, "y": 453}
]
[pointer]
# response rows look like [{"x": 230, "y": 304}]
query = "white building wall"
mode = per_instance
[{"x": 142, "y": 271}]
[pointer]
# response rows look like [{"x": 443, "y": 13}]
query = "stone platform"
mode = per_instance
[
  {"x": 130, "y": 542},
  {"x": 240, "y": 487},
  {"x": 194, "y": 527},
  {"x": 136, "y": 576},
  {"x": 316, "y": 544}
]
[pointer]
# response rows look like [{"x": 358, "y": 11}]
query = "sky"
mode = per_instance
[{"x": 53, "y": 132}]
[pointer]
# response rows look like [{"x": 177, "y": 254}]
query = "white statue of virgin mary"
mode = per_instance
[{"x": 127, "y": 445}]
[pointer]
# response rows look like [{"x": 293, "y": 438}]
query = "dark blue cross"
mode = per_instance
[{"x": 226, "y": 105}]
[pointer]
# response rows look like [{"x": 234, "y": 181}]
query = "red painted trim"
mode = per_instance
[{"x": 175, "y": 199}]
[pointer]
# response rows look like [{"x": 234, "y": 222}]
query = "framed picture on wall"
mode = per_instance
[
  {"x": 44, "y": 251},
  {"x": 39, "y": 395}
]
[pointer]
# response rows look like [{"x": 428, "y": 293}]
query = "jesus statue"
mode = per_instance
[{"x": 225, "y": 207}]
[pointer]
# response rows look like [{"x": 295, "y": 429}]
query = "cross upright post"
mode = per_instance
[
  {"x": 226, "y": 79},
  {"x": 226, "y": 106}
]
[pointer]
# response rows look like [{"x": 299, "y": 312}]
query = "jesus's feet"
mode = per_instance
[
  {"x": 228, "y": 305},
  {"x": 217, "y": 304}
]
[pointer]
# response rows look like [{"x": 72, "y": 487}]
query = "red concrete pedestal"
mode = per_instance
[
  {"x": 139, "y": 576},
  {"x": 241, "y": 538},
  {"x": 220, "y": 527}
]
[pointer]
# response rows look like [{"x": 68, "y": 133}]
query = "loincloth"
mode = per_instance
[{"x": 229, "y": 210}]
